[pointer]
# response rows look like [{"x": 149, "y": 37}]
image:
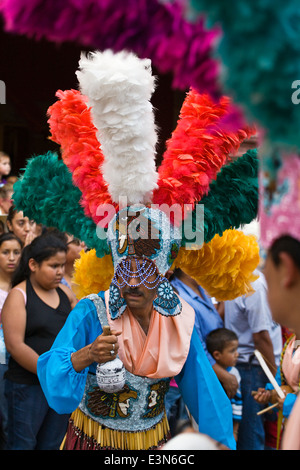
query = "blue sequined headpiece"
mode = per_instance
[{"x": 144, "y": 232}]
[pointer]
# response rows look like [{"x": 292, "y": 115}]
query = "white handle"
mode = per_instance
[{"x": 269, "y": 374}]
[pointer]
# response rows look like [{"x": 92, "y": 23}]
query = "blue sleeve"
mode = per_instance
[
  {"x": 288, "y": 404},
  {"x": 61, "y": 384},
  {"x": 269, "y": 386},
  {"x": 205, "y": 397},
  {"x": 237, "y": 406}
]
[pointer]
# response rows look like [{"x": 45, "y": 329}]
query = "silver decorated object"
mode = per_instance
[{"x": 111, "y": 376}]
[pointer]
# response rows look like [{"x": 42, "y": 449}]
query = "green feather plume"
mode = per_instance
[
  {"x": 46, "y": 194},
  {"x": 232, "y": 199}
]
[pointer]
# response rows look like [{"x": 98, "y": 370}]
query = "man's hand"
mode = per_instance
[{"x": 104, "y": 348}]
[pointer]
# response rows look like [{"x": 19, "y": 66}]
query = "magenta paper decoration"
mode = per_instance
[
  {"x": 279, "y": 211},
  {"x": 149, "y": 28}
]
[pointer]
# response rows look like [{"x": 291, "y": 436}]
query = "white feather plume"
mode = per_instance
[{"x": 119, "y": 87}]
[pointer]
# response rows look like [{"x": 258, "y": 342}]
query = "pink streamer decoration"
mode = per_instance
[
  {"x": 148, "y": 28},
  {"x": 279, "y": 211}
]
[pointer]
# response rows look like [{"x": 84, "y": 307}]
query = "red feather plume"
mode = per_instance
[
  {"x": 71, "y": 126},
  {"x": 207, "y": 133}
]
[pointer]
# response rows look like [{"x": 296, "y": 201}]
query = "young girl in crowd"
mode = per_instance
[
  {"x": 5, "y": 167},
  {"x": 6, "y": 192},
  {"x": 34, "y": 312},
  {"x": 10, "y": 252}
]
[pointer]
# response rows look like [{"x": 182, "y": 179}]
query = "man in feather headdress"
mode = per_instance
[
  {"x": 151, "y": 328},
  {"x": 152, "y": 332}
]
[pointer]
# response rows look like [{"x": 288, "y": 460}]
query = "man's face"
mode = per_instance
[
  {"x": 276, "y": 292},
  {"x": 136, "y": 294}
]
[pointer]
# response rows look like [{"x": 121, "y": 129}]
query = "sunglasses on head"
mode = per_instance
[{"x": 76, "y": 241}]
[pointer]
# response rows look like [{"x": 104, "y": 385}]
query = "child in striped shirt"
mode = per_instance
[{"x": 222, "y": 344}]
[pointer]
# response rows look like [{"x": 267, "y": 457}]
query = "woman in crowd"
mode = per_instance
[
  {"x": 75, "y": 246},
  {"x": 34, "y": 312},
  {"x": 10, "y": 252},
  {"x": 20, "y": 225}
]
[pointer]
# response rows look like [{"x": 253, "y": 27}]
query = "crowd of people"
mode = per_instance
[
  {"x": 36, "y": 269},
  {"x": 36, "y": 299},
  {"x": 36, "y": 266}
]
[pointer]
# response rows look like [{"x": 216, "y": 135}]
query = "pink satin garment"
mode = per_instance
[
  {"x": 291, "y": 433},
  {"x": 163, "y": 351},
  {"x": 291, "y": 365}
]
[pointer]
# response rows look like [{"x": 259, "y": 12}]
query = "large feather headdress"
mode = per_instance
[{"x": 107, "y": 135}]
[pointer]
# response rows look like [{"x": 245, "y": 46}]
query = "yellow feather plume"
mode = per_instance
[
  {"x": 92, "y": 274},
  {"x": 224, "y": 266}
]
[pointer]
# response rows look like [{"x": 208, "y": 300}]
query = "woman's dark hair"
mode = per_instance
[
  {"x": 288, "y": 245},
  {"x": 5, "y": 237},
  {"x": 40, "y": 249},
  {"x": 11, "y": 213},
  {"x": 176, "y": 274}
]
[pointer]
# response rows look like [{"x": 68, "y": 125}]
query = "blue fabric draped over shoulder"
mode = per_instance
[
  {"x": 204, "y": 395},
  {"x": 198, "y": 384}
]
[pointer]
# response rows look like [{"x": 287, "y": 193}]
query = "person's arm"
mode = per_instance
[
  {"x": 236, "y": 425},
  {"x": 229, "y": 381},
  {"x": 63, "y": 370},
  {"x": 98, "y": 351},
  {"x": 70, "y": 294},
  {"x": 14, "y": 325},
  {"x": 263, "y": 343}
]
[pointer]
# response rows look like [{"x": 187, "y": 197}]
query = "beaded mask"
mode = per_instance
[
  {"x": 141, "y": 231},
  {"x": 144, "y": 245}
]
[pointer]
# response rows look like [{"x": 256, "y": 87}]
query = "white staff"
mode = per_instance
[{"x": 269, "y": 374}]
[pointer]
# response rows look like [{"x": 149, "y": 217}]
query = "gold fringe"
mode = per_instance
[{"x": 121, "y": 440}]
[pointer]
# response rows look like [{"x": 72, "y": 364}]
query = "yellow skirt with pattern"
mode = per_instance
[{"x": 86, "y": 434}]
